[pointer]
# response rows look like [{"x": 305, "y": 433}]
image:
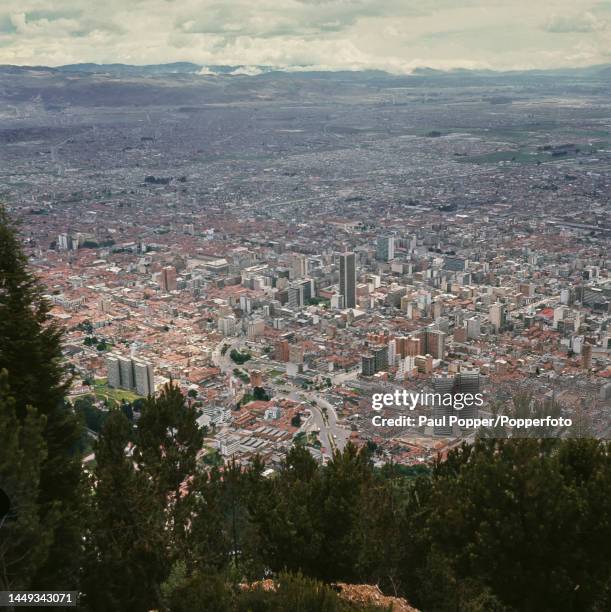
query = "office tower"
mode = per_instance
[
  {"x": 255, "y": 328},
  {"x": 380, "y": 355},
  {"x": 227, "y": 325},
  {"x": 586, "y": 356},
  {"x": 299, "y": 266},
  {"x": 413, "y": 347},
  {"x": 295, "y": 295},
  {"x": 460, "y": 333},
  {"x": 432, "y": 342},
  {"x": 473, "y": 328},
  {"x": 144, "y": 380},
  {"x": 392, "y": 352},
  {"x": 498, "y": 315},
  {"x": 64, "y": 242},
  {"x": 282, "y": 351},
  {"x": 385, "y": 248},
  {"x": 467, "y": 381},
  {"x": 368, "y": 365},
  {"x": 567, "y": 297},
  {"x": 443, "y": 384},
  {"x": 167, "y": 279},
  {"x": 347, "y": 279},
  {"x": 309, "y": 289}
]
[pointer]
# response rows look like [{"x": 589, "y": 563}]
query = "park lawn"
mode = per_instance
[{"x": 102, "y": 391}]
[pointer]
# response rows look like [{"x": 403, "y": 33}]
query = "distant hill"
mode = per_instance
[{"x": 190, "y": 68}]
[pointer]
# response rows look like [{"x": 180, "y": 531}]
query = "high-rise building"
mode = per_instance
[
  {"x": 227, "y": 325},
  {"x": 473, "y": 328},
  {"x": 368, "y": 365},
  {"x": 392, "y": 352},
  {"x": 442, "y": 410},
  {"x": 299, "y": 266},
  {"x": 167, "y": 279},
  {"x": 127, "y": 373},
  {"x": 466, "y": 381},
  {"x": 347, "y": 279},
  {"x": 380, "y": 355},
  {"x": 586, "y": 356},
  {"x": 295, "y": 294},
  {"x": 64, "y": 242},
  {"x": 256, "y": 378},
  {"x": 498, "y": 316},
  {"x": 282, "y": 351},
  {"x": 432, "y": 342},
  {"x": 144, "y": 379},
  {"x": 255, "y": 328},
  {"x": 133, "y": 374},
  {"x": 385, "y": 248},
  {"x": 412, "y": 347},
  {"x": 113, "y": 371}
]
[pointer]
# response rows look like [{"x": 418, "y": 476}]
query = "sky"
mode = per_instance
[{"x": 392, "y": 35}]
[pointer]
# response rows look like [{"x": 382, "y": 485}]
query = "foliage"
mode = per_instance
[
  {"x": 30, "y": 352},
  {"x": 25, "y": 538},
  {"x": 239, "y": 357}
]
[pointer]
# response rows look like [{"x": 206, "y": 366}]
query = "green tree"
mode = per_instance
[
  {"x": 25, "y": 539},
  {"x": 239, "y": 357},
  {"x": 167, "y": 445},
  {"x": 30, "y": 351},
  {"x": 523, "y": 521},
  {"x": 126, "y": 544}
]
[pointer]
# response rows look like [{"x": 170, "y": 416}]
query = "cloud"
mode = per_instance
[
  {"x": 247, "y": 71},
  {"x": 394, "y": 35},
  {"x": 579, "y": 23}
]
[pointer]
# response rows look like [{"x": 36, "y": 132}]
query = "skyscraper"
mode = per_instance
[
  {"x": 167, "y": 279},
  {"x": 432, "y": 342},
  {"x": 497, "y": 315},
  {"x": 347, "y": 279},
  {"x": 385, "y": 249},
  {"x": 299, "y": 265}
]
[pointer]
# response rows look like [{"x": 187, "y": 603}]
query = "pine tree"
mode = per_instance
[
  {"x": 24, "y": 539},
  {"x": 127, "y": 545},
  {"x": 30, "y": 351},
  {"x": 167, "y": 445}
]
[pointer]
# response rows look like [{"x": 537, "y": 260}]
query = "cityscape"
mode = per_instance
[
  {"x": 305, "y": 306},
  {"x": 283, "y": 246}
]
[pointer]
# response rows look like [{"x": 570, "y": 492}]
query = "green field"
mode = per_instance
[{"x": 102, "y": 391}]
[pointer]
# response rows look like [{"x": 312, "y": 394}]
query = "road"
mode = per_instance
[{"x": 331, "y": 434}]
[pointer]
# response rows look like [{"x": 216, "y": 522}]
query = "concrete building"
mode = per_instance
[
  {"x": 385, "y": 248},
  {"x": 347, "y": 279}
]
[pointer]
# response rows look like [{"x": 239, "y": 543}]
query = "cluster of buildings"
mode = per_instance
[{"x": 281, "y": 279}]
